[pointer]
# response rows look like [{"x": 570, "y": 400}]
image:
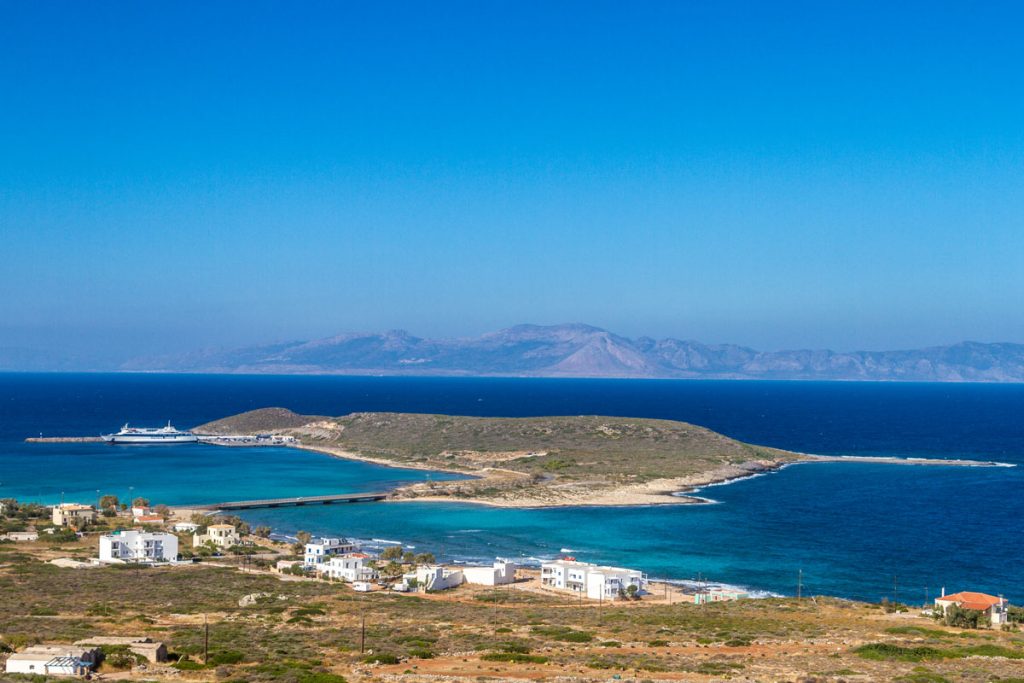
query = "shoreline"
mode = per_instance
[{"x": 657, "y": 492}]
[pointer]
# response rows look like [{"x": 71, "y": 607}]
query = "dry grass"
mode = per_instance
[{"x": 309, "y": 632}]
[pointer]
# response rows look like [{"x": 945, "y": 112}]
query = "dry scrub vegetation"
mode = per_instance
[{"x": 310, "y": 632}]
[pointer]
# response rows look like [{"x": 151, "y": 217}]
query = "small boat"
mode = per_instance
[{"x": 150, "y": 435}]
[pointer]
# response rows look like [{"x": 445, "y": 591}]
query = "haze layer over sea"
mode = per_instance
[{"x": 851, "y": 528}]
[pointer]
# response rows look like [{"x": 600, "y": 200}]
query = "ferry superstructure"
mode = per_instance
[{"x": 150, "y": 435}]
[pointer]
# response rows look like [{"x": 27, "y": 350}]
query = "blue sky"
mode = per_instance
[{"x": 785, "y": 174}]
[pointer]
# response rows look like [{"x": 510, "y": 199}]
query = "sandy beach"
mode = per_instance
[{"x": 518, "y": 492}]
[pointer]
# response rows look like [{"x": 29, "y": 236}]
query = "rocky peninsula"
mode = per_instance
[{"x": 537, "y": 461}]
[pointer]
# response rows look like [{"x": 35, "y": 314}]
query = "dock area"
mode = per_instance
[
  {"x": 63, "y": 439},
  {"x": 287, "y": 502}
]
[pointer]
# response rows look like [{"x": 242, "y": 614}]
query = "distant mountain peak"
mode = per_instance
[{"x": 581, "y": 350}]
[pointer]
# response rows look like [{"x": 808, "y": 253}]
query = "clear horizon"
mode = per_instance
[{"x": 799, "y": 175}]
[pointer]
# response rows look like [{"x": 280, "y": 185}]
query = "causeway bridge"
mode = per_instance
[{"x": 287, "y": 502}]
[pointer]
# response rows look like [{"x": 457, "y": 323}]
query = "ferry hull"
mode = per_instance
[{"x": 149, "y": 440}]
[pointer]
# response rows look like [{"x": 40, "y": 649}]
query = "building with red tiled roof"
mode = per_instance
[{"x": 994, "y": 607}]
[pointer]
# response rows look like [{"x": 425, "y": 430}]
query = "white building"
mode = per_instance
[
  {"x": 20, "y": 536},
  {"x": 321, "y": 551},
  {"x": 45, "y": 664},
  {"x": 434, "y": 578},
  {"x": 500, "y": 573},
  {"x": 138, "y": 546},
  {"x": 349, "y": 567},
  {"x": 186, "y": 527},
  {"x": 87, "y": 654},
  {"x": 594, "y": 581},
  {"x": 221, "y": 535}
]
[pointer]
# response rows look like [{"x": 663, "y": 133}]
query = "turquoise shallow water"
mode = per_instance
[
  {"x": 180, "y": 475},
  {"x": 851, "y": 528}
]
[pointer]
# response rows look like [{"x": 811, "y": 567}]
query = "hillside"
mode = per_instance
[
  {"x": 526, "y": 461},
  {"x": 313, "y": 631},
  {"x": 584, "y": 351}
]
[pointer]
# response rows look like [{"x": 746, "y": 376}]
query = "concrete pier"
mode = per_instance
[{"x": 287, "y": 502}]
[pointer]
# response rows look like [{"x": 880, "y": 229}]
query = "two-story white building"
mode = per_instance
[
  {"x": 318, "y": 552},
  {"x": 138, "y": 546},
  {"x": 594, "y": 581},
  {"x": 349, "y": 567}
]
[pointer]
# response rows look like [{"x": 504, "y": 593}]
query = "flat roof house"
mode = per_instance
[
  {"x": 73, "y": 514},
  {"x": 594, "y": 581},
  {"x": 221, "y": 535},
  {"x": 349, "y": 567},
  {"x": 995, "y": 608},
  {"x": 86, "y": 655},
  {"x": 434, "y": 578},
  {"x": 717, "y": 594},
  {"x": 500, "y": 573},
  {"x": 46, "y": 664},
  {"x": 138, "y": 546},
  {"x": 141, "y": 645},
  {"x": 320, "y": 551}
]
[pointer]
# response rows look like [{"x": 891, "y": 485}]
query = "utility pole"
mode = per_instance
[
  {"x": 496, "y": 609},
  {"x": 206, "y": 640},
  {"x": 362, "y": 635},
  {"x": 799, "y": 583}
]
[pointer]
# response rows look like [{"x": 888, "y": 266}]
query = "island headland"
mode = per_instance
[{"x": 535, "y": 461}]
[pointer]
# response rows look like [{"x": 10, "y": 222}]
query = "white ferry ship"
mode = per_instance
[{"x": 150, "y": 435}]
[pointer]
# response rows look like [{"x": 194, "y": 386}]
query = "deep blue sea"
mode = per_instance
[{"x": 853, "y": 529}]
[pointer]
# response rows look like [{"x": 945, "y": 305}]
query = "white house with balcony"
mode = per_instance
[
  {"x": 349, "y": 567},
  {"x": 320, "y": 551},
  {"x": 138, "y": 546},
  {"x": 594, "y": 581}
]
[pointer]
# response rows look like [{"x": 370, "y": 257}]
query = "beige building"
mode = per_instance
[
  {"x": 73, "y": 514},
  {"x": 221, "y": 535},
  {"x": 141, "y": 645}
]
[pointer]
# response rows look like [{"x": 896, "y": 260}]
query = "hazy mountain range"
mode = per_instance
[{"x": 584, "y": 351}]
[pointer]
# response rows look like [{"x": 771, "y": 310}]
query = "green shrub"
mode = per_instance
[
  {"x": 991, "y": 651},
  {"x": 226, "y": 657},
  {"x": 918, "y": 631},
  {"x": 887, "y": 651},
  {"x": 186, "y": 664},
  {"x": 564, "y": 633},
  {"x": 381, "y": 658},
  {"x": 421, "y": 653},
  {"x": 513, "y": 658}
]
